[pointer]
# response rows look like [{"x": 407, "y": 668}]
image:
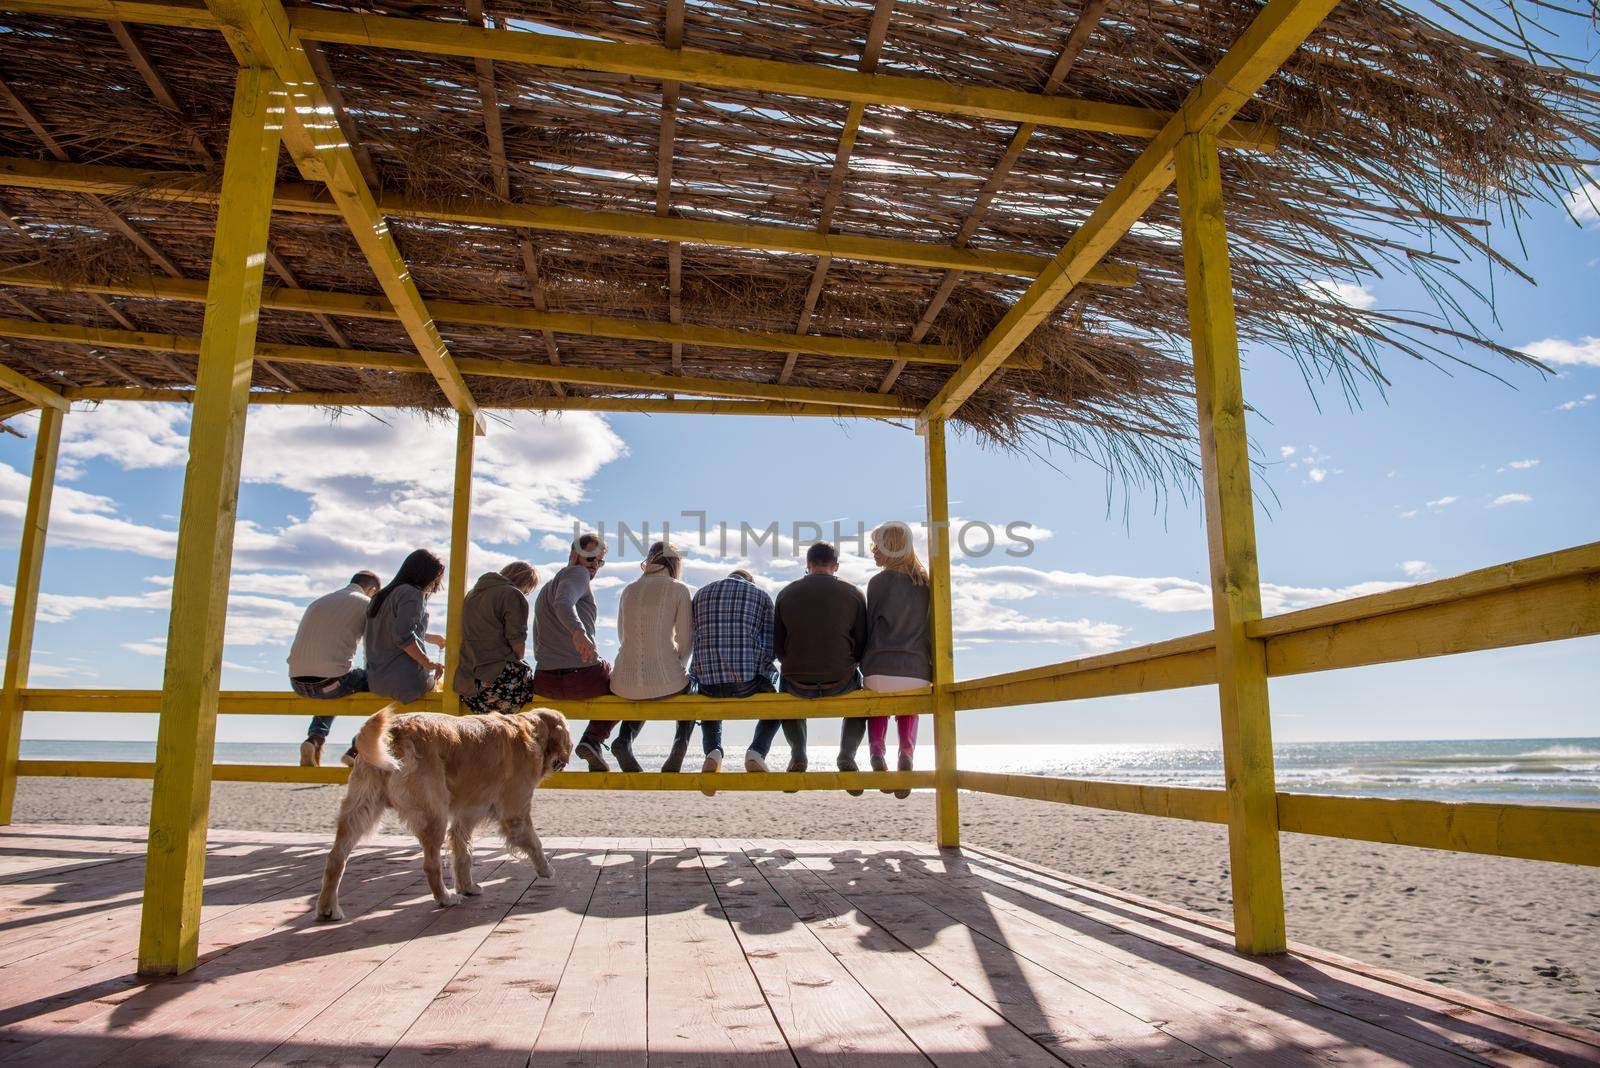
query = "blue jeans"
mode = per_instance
[
  {"x": 794, "y": 730},
  {"x": 354, "y": 681},
  {"x": 711, "y": 729}
]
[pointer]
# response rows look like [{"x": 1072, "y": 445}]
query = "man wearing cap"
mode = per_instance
[{"x": 567, "y": 666}]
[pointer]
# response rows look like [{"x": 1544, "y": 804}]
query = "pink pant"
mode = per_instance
[{"x": 878, "y": 730}]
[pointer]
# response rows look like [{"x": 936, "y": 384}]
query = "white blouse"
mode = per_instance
[{"x": 655, "y": 624}]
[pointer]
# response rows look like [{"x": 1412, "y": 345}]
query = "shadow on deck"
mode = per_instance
[{"x": 686, "y": 953}]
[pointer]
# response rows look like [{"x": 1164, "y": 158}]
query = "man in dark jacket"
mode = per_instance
[{"x": 819, "y": 631}]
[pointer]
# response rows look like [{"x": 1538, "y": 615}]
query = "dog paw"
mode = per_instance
[
  {"x": 472, "y": 891},
  {"x": 333, "y": 915},
  {"x": 544, "y": 872},
  {"x": 450, "y": 898}
]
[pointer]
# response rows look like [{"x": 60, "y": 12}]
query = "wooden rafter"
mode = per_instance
[
  {"x": 672, "y": 37},
  {"x": 877, "y": 29},
  {"x": 500, "y": 174},
  {"x": 1266, "y": 43},
  {"x": 258, "y": 31},
  {"x": 31, "y": 390},
  {"x": 360, "y": 359},
  {"x": 308, "y": 199},
  {"x": 357, "y": 306},
  {"x": 1077, "y": 40}
]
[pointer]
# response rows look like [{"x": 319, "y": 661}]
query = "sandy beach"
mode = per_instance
[{"x": 1522, "y": 932}]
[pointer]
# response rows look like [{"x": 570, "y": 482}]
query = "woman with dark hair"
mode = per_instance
[{"x": 397, "y": 628}]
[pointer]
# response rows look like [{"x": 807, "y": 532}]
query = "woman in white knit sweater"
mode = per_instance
[{"x": 655, "y": 625}]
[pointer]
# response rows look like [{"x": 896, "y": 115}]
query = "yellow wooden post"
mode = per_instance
[
  {"x": 25, "y": 603},
  {"x": 944, "y": 699},
  {"x": 1230, "y": 531},
  {"x": 175, "y": 865},
  {"x": 460, "y": 539}
]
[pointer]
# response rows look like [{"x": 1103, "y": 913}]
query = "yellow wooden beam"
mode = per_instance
[
  {"x": 644, "y": 381},
  {"x": 185, "y": 14},
  {"x": 565, "y": 780},
  {"x": 460, "y": 542},
  {"x": 936, "y": 470},
  {"x": 1531, "y": 832},
  {"x": 1169, "y": 665},
  {"x": 639, "y": 405},
  {"x": 741, "y": 72},
  {"x": 354, "y": 305},
  {"x": 180, "y": 800},
  {"x": 25, "y": 601},
  {"x": 1269, "y": 40},
  {"x": 34, "y": 392},
  {"x": 280, "y": 703},
  {"x": 1175, "y": 802},
  {"x": 1230, "y": 533},
  {"x": 258, "y": 32},
  {"x": 192, "y": 187}
]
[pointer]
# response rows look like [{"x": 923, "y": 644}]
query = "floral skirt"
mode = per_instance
[{"x": 511, "y": 691}]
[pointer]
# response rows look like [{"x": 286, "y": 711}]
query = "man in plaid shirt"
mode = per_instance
[{"x": 733, "y": 656}]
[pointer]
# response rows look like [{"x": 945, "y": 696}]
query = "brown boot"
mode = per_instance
[{"x": 311, "y": 752}]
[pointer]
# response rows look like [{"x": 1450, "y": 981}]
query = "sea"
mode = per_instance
[{"x": 1550, "y": 771}]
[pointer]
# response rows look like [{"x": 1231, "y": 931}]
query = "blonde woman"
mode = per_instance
[
  {"x": 655, "y": 624},
  {"x": 899, "y": 654}
]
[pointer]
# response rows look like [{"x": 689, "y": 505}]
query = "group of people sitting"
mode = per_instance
[{"x": 721, "y": 641}]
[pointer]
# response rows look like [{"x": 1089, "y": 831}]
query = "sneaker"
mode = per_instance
[
  {"x": 623, "y": 751},
  {"x": 797, "y": 764},
  {"x": 880, "y": 764},
  {"x": 674, "y": 762},
  {"x": 754, "y": 761},
  {"x": 712, "y": 765},
  {"x": 349, "y": 758},
  {"x": 591, "y": 755},
  {"x": 905, "y": 765},
  {"x": 849, "y": 764},
  {"x": 311, "y": 752}
]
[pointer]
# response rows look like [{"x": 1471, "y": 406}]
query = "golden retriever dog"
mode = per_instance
[{"x": 444, "y": 775}]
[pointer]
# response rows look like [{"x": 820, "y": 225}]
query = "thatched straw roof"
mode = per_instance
[{"x": 1397, "y": 138}]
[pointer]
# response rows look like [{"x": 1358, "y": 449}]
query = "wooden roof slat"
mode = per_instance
[
  {"x": 1280, "y": 28},
  {"x": 258, "y": 32},
  {"x": 1077, "y": 40},
  {"x": 877, "y": 29},
  {"x": 309, "y": 199},
  {"x": 672, "y": 37}
]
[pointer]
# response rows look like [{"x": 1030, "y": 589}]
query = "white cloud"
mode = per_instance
[
  {"x": 1317, "y": 474},
  {"x": 1409, "y": 514},
  {"x": 1585, "y": 352},
  {"x": 1519, "y": 465},
  {"x": 1509, "y": 498},
  {"x": 1442, "y": 502},
  {"x": 1582, "y": 402},
  {"x": 1415, "y": 569},
  {"x": 1584, "y": 201},
  {"x": 131, "y": 435},
  {"x": 1286, "y": 451},
  {"x": 80, "y": 520},
  {"x": 1328, "y": 289}
]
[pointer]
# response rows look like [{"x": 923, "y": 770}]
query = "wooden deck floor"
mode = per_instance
[{"x": 666, "y": 952}]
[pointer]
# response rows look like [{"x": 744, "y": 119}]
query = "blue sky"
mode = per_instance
[{"x": 1448, "y": 470}]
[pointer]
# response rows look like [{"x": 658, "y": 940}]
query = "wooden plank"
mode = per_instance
[
  {"x": 34, "y": 392},
  {"x": 1177, "y": 802},
  {"x": 740, "y": 72},
  {"x": 1532, "y": 832},
  {"x": 180, "y": 799},
  {"x": 1230, "y": 1017},
  {"x": 1266, "y": 43},
  {"x": 491, "y": 1012},
  {"x": 460, "y": 543},
  {"x": 597, "y": 1016},
  {"x": 1255, "y": 869},
  {"x": 368, "y": 1018},
  {"x": 936, "y": 471},
  {"x": 948, "y": 1024},
  {"x": 1448, "y": 1020},
  {"x": 704, "y": 1005},
  {"x": 1069, "y": 1015},
  {"x": 25, "y": 601},
  {"x": 826, "y": 1016},
  {"x": 1174, "y": 664}
]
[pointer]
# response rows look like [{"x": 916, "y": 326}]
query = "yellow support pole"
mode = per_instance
[
  {"x": 944, "y": 670},
  {"x": 1230, "y": 530},
  {"x": 25, "y": 604},
  {"x": 460, "y": 540},
  {"x": 175, "y": 864}
]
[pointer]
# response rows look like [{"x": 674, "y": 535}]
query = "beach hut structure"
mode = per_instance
[{"x": 954, "y": 216}]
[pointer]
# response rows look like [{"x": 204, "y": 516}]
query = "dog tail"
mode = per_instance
[{"x": 372, "y": 740}]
